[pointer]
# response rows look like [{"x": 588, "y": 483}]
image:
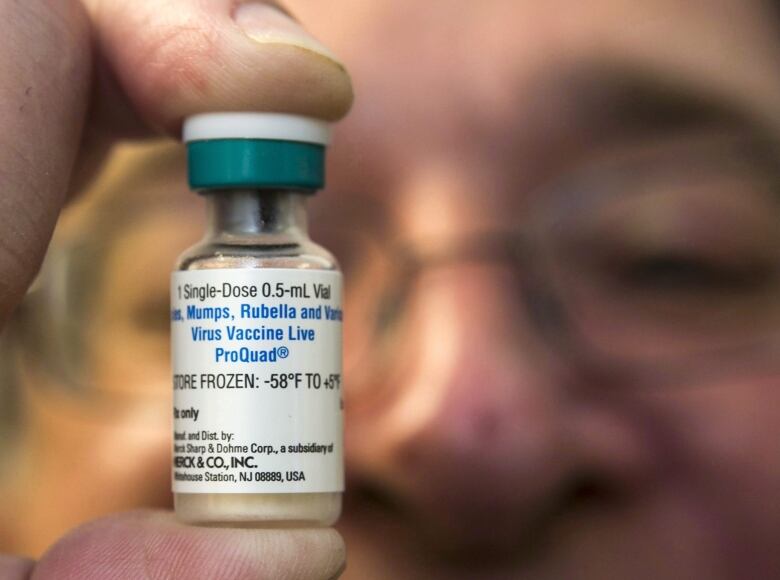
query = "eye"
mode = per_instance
[{"x": 675, "y": 272}]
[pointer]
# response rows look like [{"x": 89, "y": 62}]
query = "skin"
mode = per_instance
[
  {"x": 478, "y": 447},
  {"x": 67, "y": 99}
]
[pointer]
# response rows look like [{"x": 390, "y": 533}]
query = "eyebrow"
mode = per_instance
[{"x": 624, "y": 102}]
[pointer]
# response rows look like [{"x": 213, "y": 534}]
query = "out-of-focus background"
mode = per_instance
[{"x": 558, "y": 224}]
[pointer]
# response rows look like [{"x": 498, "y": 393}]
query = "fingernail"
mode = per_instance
[{"x": 265, "y": 23}]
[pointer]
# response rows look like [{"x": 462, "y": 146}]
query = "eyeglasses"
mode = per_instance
[{"x": 657, "y": 265}]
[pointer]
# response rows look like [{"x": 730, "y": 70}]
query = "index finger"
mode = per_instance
[{"x": 180, "y": 57}]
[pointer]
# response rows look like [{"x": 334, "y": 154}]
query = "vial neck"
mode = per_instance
[{"x": 251, "y": 212}]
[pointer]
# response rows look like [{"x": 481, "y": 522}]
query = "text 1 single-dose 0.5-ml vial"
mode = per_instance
[{"x": 256, "y": 331}]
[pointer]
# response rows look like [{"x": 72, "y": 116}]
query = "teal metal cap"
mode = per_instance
[{"x": 255, "y": 150}]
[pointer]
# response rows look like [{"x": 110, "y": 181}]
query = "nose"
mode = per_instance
[{"x": 472, "y": 433}]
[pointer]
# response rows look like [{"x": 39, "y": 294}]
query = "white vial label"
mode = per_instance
[{"x": 257, "y": 402}]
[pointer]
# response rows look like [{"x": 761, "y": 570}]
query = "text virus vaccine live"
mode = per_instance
[{"x": 256, "y": 331}]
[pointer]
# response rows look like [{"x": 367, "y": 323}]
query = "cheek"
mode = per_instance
[
  {"x": 130, "y": 368},
  {"x": 129, "y": 371},
  {"x": 128, "y": 360},
  {"x": 726, "y": 443},
  {"x": 91, "y": 456},
  {"x": 134, "y": 452}
]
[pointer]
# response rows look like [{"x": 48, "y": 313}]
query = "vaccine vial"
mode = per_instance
[{"x": 256, "y": 332}]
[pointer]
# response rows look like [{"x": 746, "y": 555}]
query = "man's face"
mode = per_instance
[
  {"x": 482, "y": 450},
  {"x": 477, "y": 455}
]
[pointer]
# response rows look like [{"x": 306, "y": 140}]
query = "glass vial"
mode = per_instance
[{"x": 256, "y": 332}]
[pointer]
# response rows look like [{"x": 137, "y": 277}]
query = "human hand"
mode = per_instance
[
  {"x": 77, "y": 77},
  {"x": 148, "y": 544}
]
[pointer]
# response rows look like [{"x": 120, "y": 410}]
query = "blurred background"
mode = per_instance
[{"x": 559, "y": 229}]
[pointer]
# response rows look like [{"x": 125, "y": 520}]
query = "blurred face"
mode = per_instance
[
  {"x": 594, "y": 408},
  {"x": 480, "y": 454}
]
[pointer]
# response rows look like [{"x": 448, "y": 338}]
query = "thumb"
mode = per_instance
[
  {"x": 150, "y": 544},
  {"x": 176, "y": 58}
]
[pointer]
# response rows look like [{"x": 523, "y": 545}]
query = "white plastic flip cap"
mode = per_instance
[{"x": 276, "y": 126}]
